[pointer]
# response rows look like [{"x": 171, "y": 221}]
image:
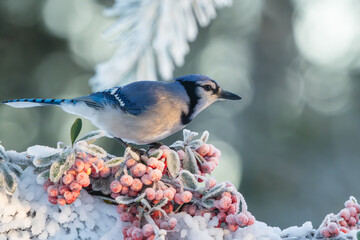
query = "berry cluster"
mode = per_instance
[
  {"x": 67, "y": 189},
  {"x": 346, "y": 220},
  {"x": 148, "y": 187},
  {"x": 211, "y": 157}
]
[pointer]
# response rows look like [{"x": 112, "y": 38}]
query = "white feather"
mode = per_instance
[{"x": 24, "y": 104}]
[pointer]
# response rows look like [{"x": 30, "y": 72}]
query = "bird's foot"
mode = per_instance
[
  {"x": 140, "y": 152},
  {"x": 134, "y": 149},
  {"x": 155, "y": 145}
]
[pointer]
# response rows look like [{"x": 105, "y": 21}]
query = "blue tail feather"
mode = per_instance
[{"x": 34, "y": 102}]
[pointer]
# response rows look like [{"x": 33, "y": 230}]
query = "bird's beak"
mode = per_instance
[{"x": 228, "y": 95}]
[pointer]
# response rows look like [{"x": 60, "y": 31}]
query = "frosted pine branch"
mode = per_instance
[{"x": 152, "y": 35}]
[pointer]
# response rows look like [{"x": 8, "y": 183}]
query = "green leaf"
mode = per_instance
[
  {"x": 124, "y": 200},
  {"x": 56, "y": 170},
  {"x": 188, "y": 179},
  {"x": 208, "y": 203},
  {"x": 196, "y": 144},
  {"x": 358, "y": 235},
  {"x": 10, "y": 182},
  {"x": 91, "y": 149},
  {"x": 3, "y": 154},
  {"x": 215, "y": 191},
  {"x": 75, "y": 130},
  {"x": 156, "y": 153},
  {"x": 45, "y": 174},
  {"x": 189, "y": 162},
  {"x": 114, "y": 162},
  {"x": 43, "y": 161},
  {"x": 93, "y": 135},
  {"x": 177, "y": 145},
  {"x": 15, "y": 169},
  {"x": 173, "y": 163}
]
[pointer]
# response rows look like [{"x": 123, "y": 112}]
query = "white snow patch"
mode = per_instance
[{"x": 27, "y": 214}]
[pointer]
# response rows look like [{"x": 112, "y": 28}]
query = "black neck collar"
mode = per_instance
[{"x": 190, "y": 88}]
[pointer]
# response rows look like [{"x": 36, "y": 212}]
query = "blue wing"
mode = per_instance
[{"x": 133, "y": 98}]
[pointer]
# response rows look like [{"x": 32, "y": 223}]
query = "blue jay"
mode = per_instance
[{"x": 142, "y": 112}]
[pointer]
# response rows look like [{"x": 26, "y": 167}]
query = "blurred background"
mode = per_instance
[{"x": 291, "y": 145}]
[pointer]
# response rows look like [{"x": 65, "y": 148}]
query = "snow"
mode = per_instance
[{"x": 27, "y": 214}]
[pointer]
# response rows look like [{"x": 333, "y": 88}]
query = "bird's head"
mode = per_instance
[{"x": 202, "y": 92}]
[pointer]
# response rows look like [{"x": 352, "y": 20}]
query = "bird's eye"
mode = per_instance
[{"x": 207, "y": 87}]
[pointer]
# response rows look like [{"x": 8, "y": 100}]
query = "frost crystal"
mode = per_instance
[{"x": 151, "y": 33}]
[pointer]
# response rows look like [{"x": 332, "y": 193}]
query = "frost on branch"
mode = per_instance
[
  {"x": 151, "y": 33},
  {"x": 166, "y": 193},
  {"x": 10, "y": 170}
]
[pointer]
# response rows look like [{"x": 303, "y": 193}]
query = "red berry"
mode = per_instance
[
  {"x": 68, "y": 178},
  {"x": 137, "y": 234},
  {"x": 160, "y": 166},
  {"x": 206, "y": 167},
  {"x": 177, "y": 198},
  {"x": 225, "y": 202},
  {"x": 115, "y": 186},
  {"x": 61, "y": 201},
  {"x": 325, "y": 232},
  {"x": 242, "y": 219},
  {"x": 210, "y": 183},
  {"x": 226, "y": 194},
  {"x": 146, "y": 179},
  {"x": 192, "y": 210},
  {"x": 125, "y": 190},
  {"x": 105, "y": 172},
  {"x": 126, "y": 180},
  {"x": 352, "y": 211},
  {"x": 63, "y": 189},
  {"x": 138, "y": 170},
  {"x": 47, "y": 184},
  {"x": 221, "y": 216},
  {"x": 186, "y": 196},
  {"x": 52, "y": 200},
  {"x": 76, "y": 194},
  {"x": 169, "y": 194},
  {"x": 203, "y": 150},
  {"x": 126, "y": 217},
  {"x": 352, "y": 222},
  {"x": 230, "y": 219},
  {"x": 156, "y": 214},
  {"x": 130, "y": 162},
  {"x": 233, "y": 227},
  {"x": 155, "y": 175},
  {"x": 251, "y": 220},
  {"x": 345, "y": 213},
  {"x": 231, "y": 209},
  {"x": 165, "y": 225},
  {"x": 78, "y": 165},
  {"x": 159, "y": 194},
  {"x": 94, "y": 174},
  {"x": 53, "y": 191},
  {"x": 83, "y": 179},
  {"x": 169, "y": 207},
  {"x": 132, "y": 193},
  {"x": 75, "y": 186},
  {"x": 343, "y": 223},
  {"x": 152, "y": 162},
  {"x": 147, "y": 230},
  {"x": 125, "y": 229},
  {"x": 136, "y": 185},
  {"x": 150, "y": 194}
]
